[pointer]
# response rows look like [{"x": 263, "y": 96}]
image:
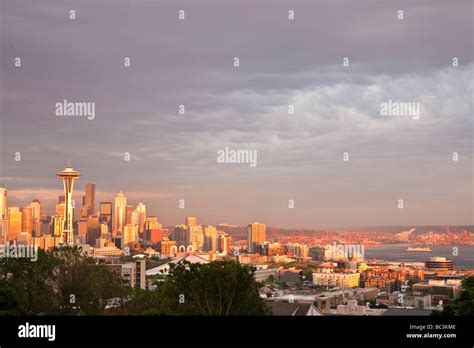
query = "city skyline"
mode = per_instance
[{"x": 80, "y": 196}]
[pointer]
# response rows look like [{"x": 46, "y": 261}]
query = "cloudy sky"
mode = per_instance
[{"x": 282, "y": 62}]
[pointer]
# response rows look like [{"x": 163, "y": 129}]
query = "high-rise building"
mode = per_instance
[
  {"x": 60, "y": 209},
  {"x": 195, "y": 237},
  {"x": 3, "y": 203},
  {"x": 120, "y": 214},
  {"x": 141, "y": 210},
  {"x": 223, "y": 242},
  {"x": 3, "y": 215},
  {"x": 191, "y": 221},
  {"x": 14, "y": 222},
  {"x": 82, "y": 229},
  {"x": 68, "y": 175},
  {"x": 153, "y": 230},
  {"x": 27, "y": 219},
  {"x": 58, "y": 226},
  {"x": 135, "y": 219},
  {"x": 45, "y": 225},
  {"x": 36, "y": 206},
  {"x": 165, "y": 245},
  {"x": 89, "y": 198},
  {"x": 130, "y": 234},
  {"x": 106, "y": 213},
  {"x": 255, "y": 236},
  {"x": 128, "y": 213},
  {"x": 93, "y": 229},
  {"x": 210, "y": 238},
  {"x": 180, "y": 235}
]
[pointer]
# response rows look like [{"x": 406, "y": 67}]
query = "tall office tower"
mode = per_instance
[
  {"x": 141, "y": 210},
  {"x": 3, "y": 203},
  {"x": 45, "y": 224},
  {"x": 3, "y": 215},
  {"x": 210, "y": 238},
  {"x": 196, "y": 237},
  {"x": 60, "y": 209},
  {"x": 255, "y": 236},
  {"x": 85, "y": 211},
  {"x": 135, "y": 218},
  {"x": 27, "y": 219},
  {"x": 106, "y": 214},
  {"x": 104, "y": 230},
  {"x": 58, "y": 229},
  {"x": 14, "y": 222},
  {"x": 36, "y": 206},
  {"x": 180, "y": 235},
  {"x": 223, "y": 242},
  {"x": 191, "y": 221},
  {"x": 120, "y": 214},
  {"x": 68, "y": 175},
  {"x": 151, "y": 222},
  {"x": 93, "y": 229},
  {"x": 128, "y": 213},
  {"x": 82, "y": 229},
  {"x": 4, "y": 235},
  {"x": 130, "y": 234},
  {"x": 89, "y": 198}
]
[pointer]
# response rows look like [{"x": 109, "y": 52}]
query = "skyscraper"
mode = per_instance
[
  {"x": 3, "y": 215},
  {"x": 128, "y": 214},
  {"x": 68, "y": 175},
  {"x": 130, "y": 234},
  {"x": 223, "y": 242},
  {"x": 106, "y": 214},
  {"x": 14, "y": 222},
  {"x": 120, "y": 214},
  {"x": 196, "y": 237},
  {"x": 191, "y": 221},
  {"x": 27, "y": 219},
  {"x": 36, "y": 206},
  {"x": 141, "y": 210},
  {"x": 256, "y": 236},
  {"x": 180, "y": 235},
  {"x": 3, "y": 203},
  {"x": 89, "y": 197},
  {"x": 210, "y": 238}
]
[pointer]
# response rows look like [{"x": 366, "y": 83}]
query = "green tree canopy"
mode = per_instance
[{"x": 216, "y": 288}]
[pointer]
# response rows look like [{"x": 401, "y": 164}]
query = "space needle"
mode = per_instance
[{"x": 68, "y": 175}]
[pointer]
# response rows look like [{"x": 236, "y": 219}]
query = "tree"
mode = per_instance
[
  {"x": 144, "y": 302},
  {"x": 84, "y": 287},
  {"x": 62, "y": 281},
  {"x": 27, "y": 285},
  {"x": 8, "y": 302},
  {"x": 216, "y": 288}
]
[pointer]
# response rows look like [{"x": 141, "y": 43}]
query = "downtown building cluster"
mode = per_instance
[{"x": 323, "y": 279}]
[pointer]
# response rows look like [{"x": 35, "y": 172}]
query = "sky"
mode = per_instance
[{"x": 283, "y": 62}]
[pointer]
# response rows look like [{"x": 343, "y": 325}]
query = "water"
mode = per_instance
[{"x": 396, "y": 252}]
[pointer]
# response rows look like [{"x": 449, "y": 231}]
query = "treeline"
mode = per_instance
[{"x": 65, "y": 282}]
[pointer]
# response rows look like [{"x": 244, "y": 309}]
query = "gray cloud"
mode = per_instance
[{"x": 282, "y": 62}]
